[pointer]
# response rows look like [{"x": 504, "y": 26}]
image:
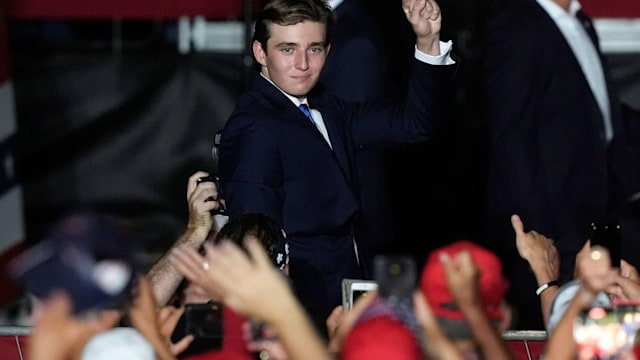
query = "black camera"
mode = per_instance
[
  {"x": 214, "y": 179},
  {"x": 395, "y": 275},
  {"x": 608, "y": 235}
]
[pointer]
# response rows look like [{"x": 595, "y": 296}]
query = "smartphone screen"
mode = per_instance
[
  {"x": 352, "y": 289},
  {"x": 608, "y": 235}
]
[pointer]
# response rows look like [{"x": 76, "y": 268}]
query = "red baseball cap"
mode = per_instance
[
  {"x": 380, "y": 338},
  {"x": 493, "y": 285}
]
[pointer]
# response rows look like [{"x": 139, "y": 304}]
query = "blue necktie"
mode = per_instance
[{"x": 305, "y": 109}]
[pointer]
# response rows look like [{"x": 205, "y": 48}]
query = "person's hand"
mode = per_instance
[
  {"x": 627, "y": 285},
  {"x": 595, "y": 270},
  {"x": 195, "y": 268},
  {"x": 144, "y": 316},
  {"x": 437, "y": 344},
  {"x": 270, "y": 345},
  {"x": 538, "y": 251},
  {"x": 340, "y": 322},
  {"x": 629, "y": 271},
  {"x": 463, "y": 277},
  {"x": 195, "y": 294},
  {"x": 60, "y": 335},
  {"x": 426, "y": 20},
  {"x": 583, "y": 254},
  {"x": 624, "y": 289},
  {"x": 202, "y": 198},
  {"x": 168, "y": 318},
  {"x": 238, "y": 279}
]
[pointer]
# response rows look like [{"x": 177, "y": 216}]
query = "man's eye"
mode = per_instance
[
  {"x": 287, "y": 50},
  {"x": 316, "y": 49}
]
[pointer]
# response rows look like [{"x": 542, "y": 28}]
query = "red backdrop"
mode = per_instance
[
  {"x": 124, "y": 9},
  {"x": 214, "y": 9}
]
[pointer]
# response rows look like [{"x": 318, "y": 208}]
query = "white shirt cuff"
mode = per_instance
[{"x": 443, "y": 59}]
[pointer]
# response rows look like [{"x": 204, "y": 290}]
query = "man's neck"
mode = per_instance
[{"x": 563, "y": 4}]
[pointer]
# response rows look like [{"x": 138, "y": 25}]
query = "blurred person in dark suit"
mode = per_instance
[
  {"x": 560, "y": 155},
  {"x": 357, "y": 68}
]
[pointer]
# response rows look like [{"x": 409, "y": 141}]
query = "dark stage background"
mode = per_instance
[{"x": 118, "y": 120}]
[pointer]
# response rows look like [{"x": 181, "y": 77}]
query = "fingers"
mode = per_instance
[
  {"x": 257, "y": 251},
  {"x": 416, "y": 9},
  {"x": 182, "y": 345},
  {"x": 348, "y": 320},
  {"x": 517, "y": 224},
  {"x": 333, "y": 320},
  {"x": 193, "y": 181},
  {"x": 423, "y": 310}
]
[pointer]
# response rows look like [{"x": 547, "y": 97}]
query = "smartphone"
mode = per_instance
[
  {"x": 608, "y": 235},
  {"x": 395, "y": 275},
  {"x": 203, "y": 321},
  {"x": 221, "y": 210},
  {"x": 600, "y": 334},
  {"x": 352, "y": 289}
]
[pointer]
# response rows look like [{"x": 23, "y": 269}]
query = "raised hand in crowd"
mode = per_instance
[
  {"x": 241, "y": 280},
  {"x": 628, "y": 283},
  {"x": 437, "y": 344},
  {"x": 202, "y": 197},
  {"x": 267, "y": 346},
  {"x": 542, "y": 256},
  {"x": 156, "y": 324},
  {"x": 463, "y": 278},
  {"x": 594, "y": 271},
  {"x": 340, "y": 322},
  {"x": 58, "y": 334}
]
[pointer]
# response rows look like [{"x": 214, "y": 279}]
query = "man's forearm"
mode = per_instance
[{"x": 164, "y": 277}]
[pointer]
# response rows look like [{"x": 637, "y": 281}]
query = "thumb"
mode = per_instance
[{"x": 517, "y": 224}]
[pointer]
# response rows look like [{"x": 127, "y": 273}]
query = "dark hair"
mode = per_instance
[
  {"x": 263, "y": 227},
  {"x": 291, "y": 12}
]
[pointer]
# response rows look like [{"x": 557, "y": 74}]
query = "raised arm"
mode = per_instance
[
  {"x": 242, "y": 281},
  {"x": 426, "y": 20},
  {"x": 463, "y": 277},
  {"x": 164, "y": 277},
  {"x": 542, "y": 256}
]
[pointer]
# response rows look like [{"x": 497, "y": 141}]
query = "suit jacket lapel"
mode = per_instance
[
  {"x": 562, "y": 47},
  {"x": 283, "y": 108},
  {"x": 333, "y": 121}
]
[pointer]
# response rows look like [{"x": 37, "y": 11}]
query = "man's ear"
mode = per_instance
[{"x": 259, "y": 53}]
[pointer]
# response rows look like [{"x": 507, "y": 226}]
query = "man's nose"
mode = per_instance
[{"x": 302, "y": 61}]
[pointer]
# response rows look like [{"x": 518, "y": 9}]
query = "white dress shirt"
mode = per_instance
[{"x": 585, "y": 51}]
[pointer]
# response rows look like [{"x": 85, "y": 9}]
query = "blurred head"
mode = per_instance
[
  {"x": 380, "y": 337},
  {"x": 493, "y": 287},
  {"x": 94, "y": 258},
  {"x": 291, "y": 42},
  {"x": 118, "y": 343},
  {"x": 263, "y": 228}
]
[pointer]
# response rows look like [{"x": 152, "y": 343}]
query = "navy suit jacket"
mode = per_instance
[
  {"x": 273, "y": 160},
  {"x": 549, "y": 161}
]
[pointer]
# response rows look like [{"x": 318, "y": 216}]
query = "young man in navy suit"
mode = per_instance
[{"x": 302, "y": 171}]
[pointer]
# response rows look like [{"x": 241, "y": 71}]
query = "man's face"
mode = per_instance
[{"x": 294, "y": 56}]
